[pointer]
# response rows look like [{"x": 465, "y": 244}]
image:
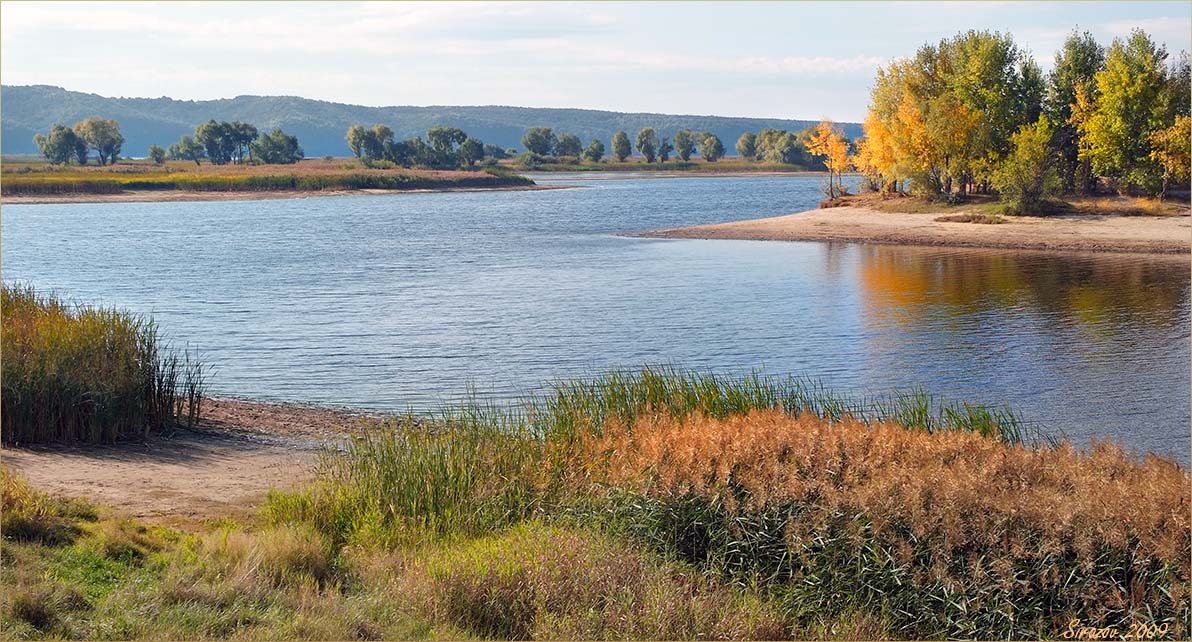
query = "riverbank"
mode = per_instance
[
  {"x": 483, "y": 527},
  {"x": 866, "y": 224},
  {"x": 138, "y": 181},
  {"x": 185, "y": 196}
]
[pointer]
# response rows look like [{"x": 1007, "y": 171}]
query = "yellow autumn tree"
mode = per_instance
[
  {"x": 1171, "y": 148},
  {"x": 828, "y": 141}
]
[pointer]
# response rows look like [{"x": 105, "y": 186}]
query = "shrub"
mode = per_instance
[
  {"x": 79, "y": 373},
  {"x": 1027, "y": 177}
]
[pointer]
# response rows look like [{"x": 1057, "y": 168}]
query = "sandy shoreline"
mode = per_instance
[
  {"x": 180, "y": 195},
  {"x": 240, "y": 450},
  {"x": 1078, "y": 233}
]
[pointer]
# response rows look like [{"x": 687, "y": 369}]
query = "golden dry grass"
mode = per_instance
[{"x": 1046, "y": 532}]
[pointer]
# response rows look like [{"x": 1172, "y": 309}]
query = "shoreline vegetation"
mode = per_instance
[
  {"x": 657, "y": 503},
  {"x": 38, "y": 183},
  {"x": 1092, "y": 224}
]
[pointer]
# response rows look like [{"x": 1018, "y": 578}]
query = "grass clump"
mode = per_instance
[{"x": 75, "y": 373}]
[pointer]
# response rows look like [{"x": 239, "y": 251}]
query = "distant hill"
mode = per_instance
[{"x": 320, "y": 126}]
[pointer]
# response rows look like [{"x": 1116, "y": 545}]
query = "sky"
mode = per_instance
[{"x": 805, "y": 60}]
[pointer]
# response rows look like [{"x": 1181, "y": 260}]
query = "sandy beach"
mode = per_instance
[{"x": 1082, "y": 233}]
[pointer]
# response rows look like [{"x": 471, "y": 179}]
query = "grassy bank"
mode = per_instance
[
  {"x": 33, "y": 179},
  {"x": 652, "y": 504},
  {"x": 87, "y": 374}
]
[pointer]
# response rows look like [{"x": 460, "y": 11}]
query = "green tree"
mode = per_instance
[
  {"x": 1076, "y": 63},
  {"x": 711, "y": 148},
  {"x": 242, "y": 136},
  {"x": 277, "y": 148},
  {"x": 621, "y": 148},
  {"x": 187, "y": 148},
  {"x": 157, "y": 154},
  {"x": 59, "y": 146},
  {"x": 470, "y": 152},
  {"x": 1131, "y": 103},
  {"x": 1027, "y": 176},
  {"x": 356, "y": 140},
  {"x": 216, "y": 140},
  {"x": 747, "y": 145},
  {"x": 594, "y": 151},
  {"x": 568, "y": 145},
  {"x": 444, "y": 139},
  {"x": 647, "y": 144},
  {"x": 375, "y": 139},
  {"x": 539, "y": 140},
  {"x": 101, "y": 135},
  {"x": 684, "y": 145},
  {"x": 664, "y": 150}
]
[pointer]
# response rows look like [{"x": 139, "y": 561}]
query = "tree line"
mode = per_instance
[
  {"x": 218, "y": 142},
  {"x": 443, "y": 148},
  {"x": 543, "y": 142},
  {"x": 974, "y": 114}
]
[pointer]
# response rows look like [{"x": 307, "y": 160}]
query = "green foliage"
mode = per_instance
[
  {"x": 777, "y": 146},
  {"x": 1027, "y": 176},
  {"x": 276, "y": 148},
  {"x": 76, "y": 373},
  {"x": 101, "y": 135},
  {"x": 664, "y": 150},
  {"x": 621, "y": 148},
  {"x": 59, "y": 147},
  {"x": 157, "y": 154},
  {"x": 711, "y": 148},
  {"x": 226, "y": 142},
  {"x": 747, "y": 145},
  {"x": 594, "y": 151},
  {"x": 684, "y": 145},
  {"x": 568, "y": 145},
  {"x": 539, "y": 140},
  {"x": 187, "y": 148},
  {"x": 1130, "y": 104},
  {"x": 443, "y": 139},
  {"x": 355, "y": 138},
  {"x": 1076, "y": 64},
  {"x": 471, "y": 151},
  {"x": 647, "y": 144}
]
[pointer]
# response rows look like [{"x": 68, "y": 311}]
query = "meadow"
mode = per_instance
[{"x": 39, "y": 179}]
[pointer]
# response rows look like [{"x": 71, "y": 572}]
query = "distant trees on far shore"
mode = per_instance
[
  {"x": 443, "y": 148},
  {"x": 218, "y": 142},
  {"x": 63, "y": 145}
]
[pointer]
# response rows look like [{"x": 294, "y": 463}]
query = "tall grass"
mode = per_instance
[
  {"x": 74, "y": 373},
  {"x": 940, "y": 519}
]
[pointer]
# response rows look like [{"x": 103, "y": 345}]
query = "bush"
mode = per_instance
[
  {"x": 87, "y": 374},
  {"x": 1027, "y": 177}
]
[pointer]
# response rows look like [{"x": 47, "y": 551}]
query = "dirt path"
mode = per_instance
[
  {"x": 1084, "y": 233},
  {"x": 224, "y": 469}
]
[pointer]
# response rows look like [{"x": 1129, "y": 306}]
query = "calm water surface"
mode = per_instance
[{"x": 398, "y": 301}]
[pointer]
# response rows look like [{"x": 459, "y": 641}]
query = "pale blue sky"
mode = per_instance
[{"x": 795, "y": 60}]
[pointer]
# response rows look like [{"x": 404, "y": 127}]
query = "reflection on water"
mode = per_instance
[{"x": 404, "y": 300}]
